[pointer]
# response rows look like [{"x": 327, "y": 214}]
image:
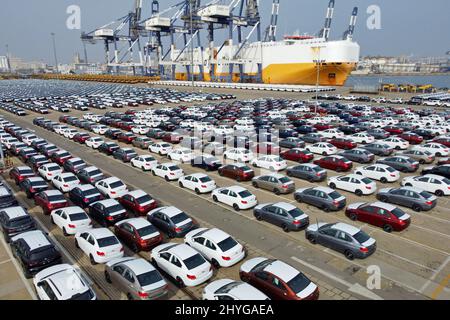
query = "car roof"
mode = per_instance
[
  {"x": 137, "y": 193},
  {"x": 282, "y": 270},
  {"x": 23, "y": 168},
  {"x": 66, "y": 280},
  {"x": 34, "y": 239},
  {"x": 100, "y": 232},
  {"x": 197, "y": 175},
  {"x": 90, "y": 168},
  {"x": 35, "y": 179},
  {"x": 346, "y": 228},
  {"x": 108, "y": 202},
  {"x": 67, "y": 174},
  {"x": 284, "y": 205},
  {"x": 435, "y": 176},
  {"x": 182, "y": 251},
  {"x": 52, "y": 192},
  {"x": 323, "y": 189},
  {"x": 216, "y": 235},
  {"x": 73, "y": 209},
  {"x": 274, "y": 175},
  {"x": 236, "y": 189},
  {"x": 15, "y": 212},
  {"x": 136, "y": 222},
  {"x": 383, "y": 205},
  {"x": 85, "y": 187},
  {"x": 170, "y": 211},
  {"x": 110, "y": 180},
  {"x": 139, "y": 266}
]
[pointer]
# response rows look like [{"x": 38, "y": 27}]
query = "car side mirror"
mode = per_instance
[{"x": 40, "y": 284}]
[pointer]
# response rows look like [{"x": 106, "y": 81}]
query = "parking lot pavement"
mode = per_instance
[
  {"x": 269, "y": 240},
  {"x": 13, "y": 285}
]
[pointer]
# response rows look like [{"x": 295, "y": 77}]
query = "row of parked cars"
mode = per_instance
[
  {"x": 189, "y": 264},
  {"x": 430, "y": 100}
]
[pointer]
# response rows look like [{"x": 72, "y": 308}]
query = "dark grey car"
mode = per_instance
[
  {"x": 358, "y": 155},
  {"x": 323, "y": 198},
  {"x": 90, "y": 175},
  {"x": 343, "y": 238},
  {"x": 379, "y": 149},
  {"x": 378, "y": 133},
  {"x": 400, "y": 163},
  {"x": 282, "y": 214},
  {"x": 276, "y": 183},
  {"x": 313, "y": 138},
  {"x": 292, "y": 142},
  {"x": 307, "y": 171},
  {"x": 414, "y": 198}
]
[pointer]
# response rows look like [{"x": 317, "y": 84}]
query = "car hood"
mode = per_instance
[
  {"x": 307, "y": 291},
  {"x": 404, "y": 217},
  {"x": 356, "y": 205},
  {"x": 369, "y": 242}
]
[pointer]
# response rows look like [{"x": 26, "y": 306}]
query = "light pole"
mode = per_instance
[
  {"x": 192, "y": 45},
  {"x": 54, "y": 52},
  {"x": 318, "y": 64}
]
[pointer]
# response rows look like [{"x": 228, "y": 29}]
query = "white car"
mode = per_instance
[
  {"x": 362, "y": 137},
  {"x": 99, "y": 244},
  {"x": 198, "y": 182},
  {"x": 169, "y": 171},
  {"x": 353, "y": 183},
  {"x": 238, "y": 154},
  {"x": 437, "y": 130},
  {"x": 70, "y": 133},
  {"x": 395, "y": 143},
  {"x": 183, "y": 263},
  {"x": 140, "y": 129},
  {"x": 236, "y": 196},
  {"x": 322, "y": 148},
  {"x": 436, "y": 149},
  {"x": 71, "y": 220},
  {"x": 432, "y": 103},
  {"x": 29, "y": 138},
  {"x": 181, "y": 154},
  {"x": 380, "y": 172},
  {"x": 100, "y": 129},
  {"x": 49, "y": 171},
  {"x": 94, "y": 142},
  {"x": 432, "y": 183},
  {"x": 65, "y": 182},
  {"x": 112, "y": 187},
  {"x": 216, "y": 246},
  {"x": 144, "y": 162},
  {"x": 62, "y": 282},
  {"x": 223, "y": 130},
  {"x": 332, "y": 134},
  {"x": 227, "y": 289},
  {"x": 161, "y": 148},
  {"x": 271, "y": 162}
]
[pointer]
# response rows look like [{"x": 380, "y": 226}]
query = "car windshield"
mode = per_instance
[
  {"x": 78, "y": 163},
  {"x": 366, "y": 180},
  {"x": 426, "y": 195},
  {"x": 285, "y": 180},
  {"x": 179, "y": 218},
  {"x": 147, "y": 230},
  {"x": 26, "y": 172},
  {"x": 317, "y": 169},
  {"x": 116, "y": 184},
  {"x": 296, "y": 212},
  {"x": 228, "y": 287},
  {"x": 20, "y": 221},
  {"x": 205, "y": 179},
  {"x": 114, "y": 208},
  {"x": 39, "y": 184},
  {"x": 78, "y": 216},
  {"x": 144, "y": 199},
  {"x": 245, "y": 168},
  {"x": 63, "y": 155},
  {"x": 108, "y": 241},
  {"x": 334, "y": 195},
  {"x": 245, "y": 194},
  {"x": 87, "y": 295},
  {"x": 390, "y": 169},
  {"x": 174, "y": 168},
  {"x": 70, "y": 178},
  {"x": 227, "y": 244},
  {"x": 95, "y": 173},
  {"x": 361, "y": 237},
  {"x": 130, "y": 152},
  {"x": 299, "y": 283},
  {"x": 56, "y": 197},
  {"x": 398, "y": 212},
  {"x": 194, "y": 261},
  {"x": 149, "y": 278}
]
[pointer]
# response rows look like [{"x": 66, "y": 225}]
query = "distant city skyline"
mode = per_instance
[{"x": 406, "y": 30}]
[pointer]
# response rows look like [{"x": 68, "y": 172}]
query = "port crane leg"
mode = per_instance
[
  {"x": 200, "y": 65},
  {"x": 230, "y": 44}
]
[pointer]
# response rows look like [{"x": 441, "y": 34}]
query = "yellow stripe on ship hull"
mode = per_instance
[{"x": 331, "y": 74}]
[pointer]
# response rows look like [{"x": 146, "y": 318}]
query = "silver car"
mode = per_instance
[
  {"x": 421, "y": 156},
  {"x": 276, "y": 183},
  {"x": 343, "y": 238},
  {"x": 136, "y": 278}
]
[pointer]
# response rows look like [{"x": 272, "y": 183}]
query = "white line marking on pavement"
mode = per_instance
[
  {"x": 355, "y": 288},
  {"x": 5, "y": 261},
  {"x": 435, "y": 274}
]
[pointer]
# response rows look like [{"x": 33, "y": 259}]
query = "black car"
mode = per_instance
[
  {"x": 424, "y": 133},
  {"x": 84, "y": 195},
  {"x": 172, "y": 221},
  {"x": 305, "y": 129},
  {"x": 108, "y": 148},
  {"x": 208, "y": 163},
  {"x": 125, "y": 154},
  {"x": 284, "y": 215},
  {"x": 48, "y": 149},
  {"x": 26, "y": 153},
  {"x": 113, "y": 133},
  {"x": 74, "y": 165},
  {"x": 107, "y": 212},
  {"x": 38, "y": 142},
  {"x": 34, "y": 252},
  {"x": 347, "y": 129},
  {"x": 90, "y": 175},
  {"x": 33, "y": 185},
  {"x": 15, "y": 220},
  {"x": 443, "y": 171},
  {"x": 7, "y": 198},
  {"x": 37, "y": 161}
]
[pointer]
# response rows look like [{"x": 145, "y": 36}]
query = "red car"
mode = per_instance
[
  {"x": 267, "y": 148},
  {"x": 297, "y": 155},
  {"x": 126, "y": 137},
  {"x": 443, "y": 161},
  {"x": 81, "y": 137},
  {"x": 412, "y": 138},
  {"x": 342, "y": 143},
  {"x": 126, "y": 126},
  {"x": 239, "y": 172},
  {"x": 278, "y": 280},
  {"x": 135, "y": 234},
  {"x": 379, "y": 214},
  {"x": 50, "y": 200},
  {"x": 60, "y": 157},
  {"x": 18, "y": 174},
  {"x": 172, "y": 138},
  {"x": 138, "y": 202},
  {"x": 444, "y": 141},
  {"x": 393, "y": 130},
  {"x": 336, "y": 163},
  {"x": 323, "y": 126}
]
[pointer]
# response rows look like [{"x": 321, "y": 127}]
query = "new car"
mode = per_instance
[
  {"x": 396, "y": 143},
  {"x": 74, "y": 165},
  {"x": 172, "y": 221},
  {"x": 421, "y": 156},
  {"x": 85, "y": 194},
  {"x": 323, "y": 198},
  {"x": 276, "y": 183},
  {"x": 60, "y": 157},
  {"x": 292, "y": 142},
  {"x": 343, "y": 143},
  {"x": 362, "y": 137},
  {"x": 49, "y": 171},
  {"x": 238, "y": 171},
  {"x": 236, "y": 196},
  {"x": 108, "y": 148},
  {"x": 436, "y": 149},
  {"x": 227, "y": 289},
  {"x": 50, "y": 200},
  {"x": 307, "y": 171},
  {"x": 112, "y": 187},
  {"x": 65, "y": 182},
  {"x": 297, "y": 155},
  {"x": 207, "y": 162},
  {"x": 125, "y": 154},
  {"x": 71, "y": 220},
  {"x": 160, "y": 148},
  {"x": 410, "y": 197},
  {"x": 217, "y": 246},
  {"x": 169, "y": 171},
  {"x": 432, "y": 183},
  {"x": 322, "y": 148},
  {"x": 138, "y": 202},
  {"x": 270, "y": 162},
  {"x": 142, "y": 142},
  {"x": 33, "y": 185},
  {"x": 343, "y": 238},
  {"x": 15, "y": 220},
  {"x": 380, "y": 172},
  {"x": 379, "y": 214},
  {"x": 443, "y": 170},
  {"x": 337, "y": 163},
  {"x": 198, "y": 182},
  {"x": 353, "y": 183},
  {"x": 138, "y": 234},
  {"x": 18, "y": 174},
  {"x": 99, "y": 244},
  {"x": 379, "y": 149},
  {"x": 94, "y": 142},
  {"x": 181, "y": 154},
  {"x": 400, "y": 163},
  {"x": 90, "y": 175},
  {"x": 238, "y": 154},
  {"x": 282, "y": 214}
]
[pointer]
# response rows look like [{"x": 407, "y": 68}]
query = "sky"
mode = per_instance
[{"x": 407, "y": 27}]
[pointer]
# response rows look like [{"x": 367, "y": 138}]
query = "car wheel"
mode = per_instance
[
  {"x": 166, "y": 178},
  {"x": 52, "y": 220},
  {"x": 134, "y": 247},
  {"x": 277, "y": 192},
  {"x": 107, "y": 277},
  {"x": 215, "y": 199},
  {"x": 387, "y": 228},
  {"x": 285, "y": 228},
  {"x": 129, "y": 296},
  {"x": 236, "y": 207},
  {"x": 383, "y": 199},
  {"x": 215, "y": 264},
  {"x": 324, "y": 153},
  {"x": 91, "y": 258},
  {"x": 197, "y": 191},
  {"x": 65, "y": 232},
  {"x": 244, "y": 278},
  {"x": 180, "y": 282},
  {"x": 438, "y": 154},
  {"x": 312, "y": 239},
  {"x": 326, "y": 208},
  {"x": 353, "y": 217},
  {"x": 363, "y": 142},
  {"x": 29, "y": 195},
  {"x": 358, "y": 193},
  {"x": 181, "y": 184},
  {"x": 422, "y": 161},
  {"x": 254, "y": 184},
  {"x": 408, "y": 185},
  {"x": 332, "y": 185},
  {"x": 238, "y": 179},
  {"x": 358, "y": 173},
  {"x": 349, "y": 255},
  {"x": 383, "y": 180},
  {"x": 439, "y": 193},
  {"x": 298, "y": 198},
  {"x": 272, "y": 169},
  {"x": 76, "y": 244},
  {"x": 258, "y": 217}
]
